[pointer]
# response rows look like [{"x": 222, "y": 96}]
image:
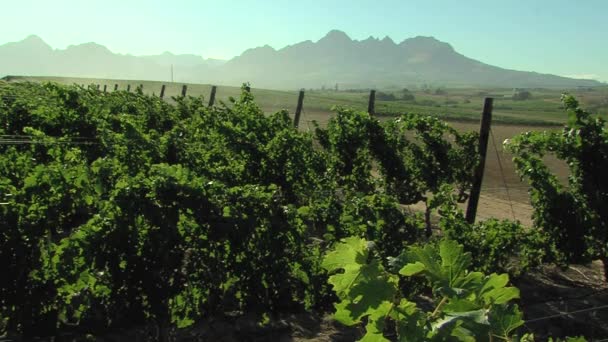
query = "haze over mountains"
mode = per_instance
[{"x": 334, "y": 59}]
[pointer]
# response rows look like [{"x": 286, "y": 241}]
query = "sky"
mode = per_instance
[{"x": 568, "y": 38}]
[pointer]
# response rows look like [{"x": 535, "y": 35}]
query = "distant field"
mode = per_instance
[
  {"x": 541, "y": 112},
  {"x": 542, "y": 109}
]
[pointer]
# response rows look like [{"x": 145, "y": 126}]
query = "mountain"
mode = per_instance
[
  {"x": 334, "y": 59},
  {"x": 373, "y": 62},
  {"x": 33, "y": 57}
]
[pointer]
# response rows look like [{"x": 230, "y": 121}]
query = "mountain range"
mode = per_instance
[{"x": 334, "y": 59}]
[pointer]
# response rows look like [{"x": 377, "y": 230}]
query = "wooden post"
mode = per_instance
[
  {"x": 212, "y": 96},
  {"x": 115, "y": 87},
  {"x": 484, "y": 133},
  {"x": 162, "y": 91},
  {"x": 98, "y": 87},
  {"x": 372, "y": 103},
  {"x": 296, "y": 120},
  {"x": 105, "y": 88},
  {"x": 184, "y": 90},
  {"x": 128, "y": 87}
]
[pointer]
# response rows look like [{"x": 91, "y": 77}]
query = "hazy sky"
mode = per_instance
[{"x": 550, "y": 36}]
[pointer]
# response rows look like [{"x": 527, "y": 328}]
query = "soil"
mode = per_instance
[{"x": 550, "y": 295}]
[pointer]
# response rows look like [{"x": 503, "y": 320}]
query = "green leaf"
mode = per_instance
[
  {"x": 89, "y": 200},
  {"x": 504, "y": 320},
  {"x": 477, "y": 316},
  {"x": 30, "y": 181},
  {"x": 412, "y": 269},
  {"x": 446, "y": 270},
  {"x": 494, "y": 281},
  {"x": 576, "y": 339},
  {"x": 453, "y": 261},
  {"x": 351, "y": 252},
  {"x": 375, "y": 325},
  {"x": 364, "y": 288},
  {"x": 501, "y": 296},
  {"x": 460, "y": 305},
  {"x": 493, "y": 290},
  {"x": 408, "y": 320}
]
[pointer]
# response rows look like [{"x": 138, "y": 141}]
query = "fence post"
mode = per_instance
[
  {"x": 296, "y": 120},
  {"x": 162, "y": 91},
  {"x": 484, "y": 133},
  {"x": 184, "y": 90},
  {"x": 372, "y": 103},
  {"x": 105, "y": 88},
  {"x": 128, "y": 88},
  {"x": 115, "y": 87},
  {"x": 212, "y": 96},
  {"x": 98, "y": 87}
]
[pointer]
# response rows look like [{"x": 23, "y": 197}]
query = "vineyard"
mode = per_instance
[{"x": 121, "y": 210}]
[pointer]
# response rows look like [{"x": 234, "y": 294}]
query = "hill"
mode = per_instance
[{"x": 334, "y": 59}]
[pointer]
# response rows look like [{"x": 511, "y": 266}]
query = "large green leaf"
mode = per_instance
[
  {"x": 504, "y": 320},
  {"x": 409, "y": 322},
  {"x": 375, "y": 324},
  {"x": 364, "y": 288},
  {"x": 495, "y": 291},
  {"x": 446, "y": 269},
  {"x": 453, "y": 261}
]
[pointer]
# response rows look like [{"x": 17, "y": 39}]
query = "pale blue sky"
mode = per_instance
[{"x": 549, "y": 36}]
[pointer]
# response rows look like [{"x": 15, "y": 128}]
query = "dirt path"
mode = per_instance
[{"x": 494, "y": 207}]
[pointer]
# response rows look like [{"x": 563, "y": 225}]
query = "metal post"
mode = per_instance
[
  {"x": 162, "y": 91},
  {"x": 212, "y": 96},
  {"x": 484, "y": 133},
  {"x": 372, "y": 103},
  {"x": 296, "y": 120}
]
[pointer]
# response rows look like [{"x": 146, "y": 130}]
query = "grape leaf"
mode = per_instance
[{"x": 364, "y": 288}]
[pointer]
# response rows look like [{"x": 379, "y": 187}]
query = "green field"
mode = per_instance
[{"x": 460, "y": 104}]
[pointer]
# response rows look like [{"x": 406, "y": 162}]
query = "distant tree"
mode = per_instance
[
  {"x": 406, "y": 95},
  {"x": 381, "y": 96},
  {"x": 521, "y": 95},
  {"x": 428, "y": 103}
]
